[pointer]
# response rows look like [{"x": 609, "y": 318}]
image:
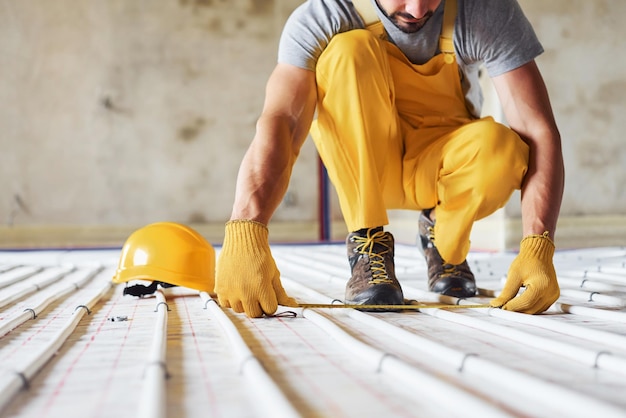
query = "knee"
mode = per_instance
[
  {"x": 353, "y": 48},
  {"x": 487, "y": 161},
  {"x": 502, "y": 154}
]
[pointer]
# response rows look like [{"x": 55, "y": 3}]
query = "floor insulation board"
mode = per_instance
[{"x": 71, "y": 345}]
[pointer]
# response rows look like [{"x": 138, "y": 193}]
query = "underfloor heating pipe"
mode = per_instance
[
  {"x": 575, "y": 403},
  {"x": 78, "y": 279},
  {"x": 605, "y": 314},
  {"x": 336, "y": 273},
  {"x": 607, "y": 273},
  {"x": 320, "y": 267},
  {"x": 571, "y": 403},
  {"x": 585, "y": 290},
  {"x": 609, "y": 314},
  {"x": 448, "y": 355},
  {"x": 610, "y": 301},
  {"x": 611, "y": 277},
  {"x": 598, "y": 254},
  {"x": 434, "y": 389},
  {"x": 46, "y": 278},
  {"x": 18, "y": 274},
  {"x": 7, "y": 267},
  {"x": 601, "y": 359},
  {"x": 592, "y": 285},
  {"x": 619, "y": 271},
  {"x": 545, "y": 322},
  {"x": 333, "y": 272},
  {"x": 266, "y": 392},
  {"x": 153, "y": 401},
  {"x": 15, "y": 379}
]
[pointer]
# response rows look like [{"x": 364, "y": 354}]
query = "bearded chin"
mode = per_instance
[{"x": 409, "y": 27}]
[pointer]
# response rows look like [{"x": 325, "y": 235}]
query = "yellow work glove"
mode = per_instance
[
  {"x": 247, "y": 278},
  {"x": 533, "y": 269}
]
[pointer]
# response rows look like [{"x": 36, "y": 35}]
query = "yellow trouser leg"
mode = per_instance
[
  {"x": 475, "y": 169},
  {"x": 356, "y": 132},
  {"x": 379, "y": 160}
]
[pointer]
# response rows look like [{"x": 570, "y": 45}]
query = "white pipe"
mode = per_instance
[
  {"x": 590, "y": 274},
  {"x": 448, "y": 354},
  {"x": 322, "y": 264},
  {"x": 17, "y": 274},
  {"x": 434, "y": 389},
  {"x": 619, "y": 271},
  {"x": 319, "y": 267},
  {"x": 605, "y": 314},
  {"x": 611, "y": 301},
  {"x": 153, "y": 401},
  {"x": 574, "y": 403},
  {"x": 267, "y": 393},
  {"x": 31, "y": 313},
  {"x": 593, "y": 358},
  {"x": 7, "y": 267},
  {"x": 571, "y": 403},
  {"x": 17, "y": 378},
  {"x": 592, "y": 285},
  {"x": 595, "y": 253},
  {"x": 46, "y": 278},
  {"x": 545, "y": 322}
]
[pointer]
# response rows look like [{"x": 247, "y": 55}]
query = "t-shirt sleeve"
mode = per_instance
[
  {"x": 310, "y": 28},
  {"x": 498, "y": 34}
]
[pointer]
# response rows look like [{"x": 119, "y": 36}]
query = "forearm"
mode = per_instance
[
  {"x": 264, "y": 172},
  {"x": 542, "y": 189},
  {"x": 281, "y": 130},
  {"x": 525, "y": 101}
]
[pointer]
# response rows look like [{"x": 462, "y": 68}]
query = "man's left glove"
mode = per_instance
[
  {"x": 247, "y": 278},
  {"x": 533, "y": 269}
]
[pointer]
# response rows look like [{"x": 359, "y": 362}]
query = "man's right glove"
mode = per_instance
[
  {"x": 532, "y": 268},
  {"x": 246, "y": 277}
]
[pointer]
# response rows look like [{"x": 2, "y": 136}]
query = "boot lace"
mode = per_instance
[
  {"x": 367, "y": 246},
  {"x": 431, "y": 234},
  {"x": 447, "y": 269}
]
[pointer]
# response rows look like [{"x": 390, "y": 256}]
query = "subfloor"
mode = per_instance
[{"x": 71, "y": 345}]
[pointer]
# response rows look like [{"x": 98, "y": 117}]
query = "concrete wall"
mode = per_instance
[
  {"x": 119, "y": 113},
  {"x": 585, "y": 69},
  {"x": 129, "y": 111}
]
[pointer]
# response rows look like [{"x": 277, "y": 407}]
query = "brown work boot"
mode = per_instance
[
  {"x": 446, "y": 279},
  {"x": 373, "y": 281}
]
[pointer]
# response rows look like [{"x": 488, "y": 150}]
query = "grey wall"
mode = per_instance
[
  {"x": 584, "y": 66},
  {"x": 127, "y": 112}
]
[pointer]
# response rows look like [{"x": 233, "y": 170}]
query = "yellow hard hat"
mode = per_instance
[{"x": 167, "y": 253}]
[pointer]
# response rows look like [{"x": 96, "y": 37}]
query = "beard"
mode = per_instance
[{"x": 408, "y": 23}]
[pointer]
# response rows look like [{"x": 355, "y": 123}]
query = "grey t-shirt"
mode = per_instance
[{"x": 491, "y": 32}]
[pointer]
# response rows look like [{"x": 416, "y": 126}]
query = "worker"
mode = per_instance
[{"x": 394, "y": 90}]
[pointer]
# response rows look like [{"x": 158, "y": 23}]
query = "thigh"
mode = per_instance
[
  {"x": 422, "y": 164},
  {"x": 432, "y": 155}
]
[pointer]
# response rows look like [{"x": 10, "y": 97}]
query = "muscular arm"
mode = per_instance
[
  {"x": 282, "y": 128},
  {"x": 526, "y": 105}
]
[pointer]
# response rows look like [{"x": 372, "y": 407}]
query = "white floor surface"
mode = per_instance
[{"x": 71, "y": 345}]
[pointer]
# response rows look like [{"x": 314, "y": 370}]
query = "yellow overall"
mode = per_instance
[{"x": 395, "y": 135}]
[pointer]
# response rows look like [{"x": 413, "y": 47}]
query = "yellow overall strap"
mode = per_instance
[
  {"x": 446, "y": 40},
  {"x": 366, "y": 9}
]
